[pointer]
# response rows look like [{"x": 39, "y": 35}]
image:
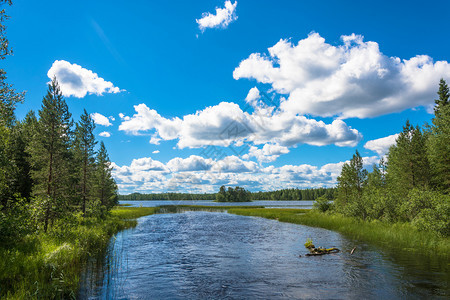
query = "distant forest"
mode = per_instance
[{"x": 285, "y": 194}]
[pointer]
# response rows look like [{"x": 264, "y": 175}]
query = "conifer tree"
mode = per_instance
[
  {"x": 105, "y": 185},
  {"x": 439, "y": 141},
  {"x": 84, "y": 155},
  {"x": 408, "y": 165},
  {"x": 350, "y": 185},
  {"x": 50, "y": 156},
  {"x": 8, "y": 101}
]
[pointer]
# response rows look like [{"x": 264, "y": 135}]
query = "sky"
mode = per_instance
[{"x": 191, "y": 95}]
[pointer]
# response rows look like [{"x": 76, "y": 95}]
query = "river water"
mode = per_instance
[{"x": 213, "y": 255}]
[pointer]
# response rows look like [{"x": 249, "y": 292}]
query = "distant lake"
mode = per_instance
[
  {"x": 212, "y": 255},
  {"x": 268, "y": 204}
]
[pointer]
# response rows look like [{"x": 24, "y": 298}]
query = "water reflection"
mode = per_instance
[{"x": 196, "y": 255}]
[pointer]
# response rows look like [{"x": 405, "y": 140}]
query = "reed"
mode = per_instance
[
  {"x": 48, "y": 265},
  {"x": 397, "y": 237}
]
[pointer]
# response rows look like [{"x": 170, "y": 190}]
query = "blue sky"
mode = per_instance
[{"x": 184, "y": 85}]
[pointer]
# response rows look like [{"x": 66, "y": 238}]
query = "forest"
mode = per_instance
[
  {"x": 56, "y": 192},
  {"x": 284, "y": 194},
  {"x": 50, "y": 168},
  {"x": 238, "y": 194},
  {"x": 412, "y": 184}
]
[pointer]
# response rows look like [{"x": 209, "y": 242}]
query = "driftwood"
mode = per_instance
[
  {"x": 321, "y": 251},
  {"x": 353, "y": 250},
  {"x": 313, "y": 251}
]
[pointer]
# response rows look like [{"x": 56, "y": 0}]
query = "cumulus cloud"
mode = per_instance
[
  {"x": 155, "y": 152},
  {"x": 252, "y": 96},
  {"x": 77, "y": 81},
  {"x": 100, "y": 119},
  {"x": 105, "y": 134},
  {"x": 268, "y": 153},
  {"x": 222, "y": 18},
  {"x": 227, "y": 123},
  {"x": 381, "y": 145},
  {"x": 192, "y": 163},
  {"x": 198, "y": 175},
  {"x": 354, "y": 79}
]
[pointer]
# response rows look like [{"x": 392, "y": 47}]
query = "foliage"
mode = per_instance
[
  {"x": 237, "y": 194},
  {"x": 309, "y": 243},
  {"x": 283, "y": 194},
  {"x": 350, "y": 186},
  {"x": 322, "y": 204},
  {"x": 413, "y": 186},
  {"x": 84, "y": 156},
  {"x": 47, "y": 265},
  {"x": 438, "y": 145}
]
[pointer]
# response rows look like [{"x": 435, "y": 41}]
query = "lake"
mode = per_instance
[
  {"x": 211, "y": 255},
  {"x": 266, "y": 203}
]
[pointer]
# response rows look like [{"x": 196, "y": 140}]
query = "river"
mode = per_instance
[{"x": 211, "y": 255}]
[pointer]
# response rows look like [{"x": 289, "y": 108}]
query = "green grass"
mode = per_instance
[
  {"x": 123, "y": 212},
  {"x": 388, "y": 236},
  {"x": 183, "y": 208},
  {"x": 48, "y": 266}
]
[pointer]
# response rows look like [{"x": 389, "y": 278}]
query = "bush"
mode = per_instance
[
  {"x": 322, "y": 204},
  {"x": 428, "y": 210}
]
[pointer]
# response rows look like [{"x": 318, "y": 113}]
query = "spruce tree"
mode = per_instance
[
  {"x": 50, "y": 156},
  {"x": 439, "y": 141},
  {"x": 84, "y": 155},
  {"x": 408, "y": 165}
]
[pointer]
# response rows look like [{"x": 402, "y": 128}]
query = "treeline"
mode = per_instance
[
  {"x": 238, "y": 194},
  {"x": 295, "y": 194},
  {"x": 413, "y": 185},
  {"x": 168, "y": 196},
  {"x": 285, "y": 194},
  {"x": 50, "y": 168}
]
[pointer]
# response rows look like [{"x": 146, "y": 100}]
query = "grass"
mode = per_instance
[
  {"x": 48, "y": 265},
  {"x": 397, "y": 236}
]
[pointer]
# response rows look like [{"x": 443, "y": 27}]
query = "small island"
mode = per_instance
[{"x": 237, "y": 194}]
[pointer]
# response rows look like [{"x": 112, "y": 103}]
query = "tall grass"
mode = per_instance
[
  {"x": 396, "y": 236},
  {"x": 48, "y": 265}
]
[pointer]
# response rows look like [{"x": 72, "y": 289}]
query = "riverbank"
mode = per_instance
[
  {"x": 401, "y": 236},
  {"x": 48, "y": 265}
]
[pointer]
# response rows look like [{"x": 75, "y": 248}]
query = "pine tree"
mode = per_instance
[
  {"x": 50, "y": 156},
  {"x": 84, "y": 155},
  {"x": 105, "y": 186},
  {"x": 8, "y": 101},
  {"x": 439, "y": 141}
]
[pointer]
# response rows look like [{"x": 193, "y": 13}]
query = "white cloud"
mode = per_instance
[
  {"x": 100, "y": 119},
  {"x": 354, "y": 79},
  {"x": 105, "y": 134},
  {"x": 198, "y": 175},
  {"x": 77, "y": 81},
  {"x": 112, "y": 118},
  {"x": 226, "y": 123},
  {"x": 381, "y": 145},
  {"x": 252, "y": 96},
  {"x": 192, "y": 163},
  {"x": 222, "y": 18},
  {"x": 155, "y": 152},
  {"x": 147, "y": 164},
  {"x": 268, "y": 153}
]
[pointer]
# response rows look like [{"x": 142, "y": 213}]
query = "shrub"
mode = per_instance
[{"x": 323, "y": 204}]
